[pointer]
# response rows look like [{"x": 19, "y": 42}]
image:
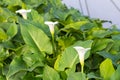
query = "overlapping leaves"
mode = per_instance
[{"x": 26, "y": 46}]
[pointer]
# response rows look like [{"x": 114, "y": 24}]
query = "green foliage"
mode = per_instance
[
  {"x": 16, "y": 65},
  {"x": 115, "y": 75},
  {"x": 28, "y": 51},
  {"x": 36, "y": 38},
  {"x": 50, "y": 74},
  {"x": 71, "y": 60},
  {"x": 106, "y": 69},
  {"x": 77, "y": 76},
  {"x": 12, "y": 30}
]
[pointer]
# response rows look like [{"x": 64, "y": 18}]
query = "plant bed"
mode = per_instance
[{"x": 46, "y": 43}]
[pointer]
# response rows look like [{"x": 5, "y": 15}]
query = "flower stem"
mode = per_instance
[
  {"x": 82, "y": 68},
  {"x": 53, "y": 42}
]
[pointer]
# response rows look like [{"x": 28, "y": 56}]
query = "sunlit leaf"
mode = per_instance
[
  {"x": 69, "y": 57},
  {"x": 77, "y": 76},
  {"x": 2, "y": 78},
  {"x": 12, "y": 30},
  {"x": 36, "y": 38},
  {"x": 76, "y": 25},
  {"x": 3, "y": 35},
  {"x": 106, "y": 69},
  {"x": 116, "y": 74}
]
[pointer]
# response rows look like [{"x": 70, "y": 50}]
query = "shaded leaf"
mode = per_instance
[
  {"x": 3, "y": 54},
  {"x": 50, "y": 74},
  {"x": 16, "y": 65},
  {"x": 30, "y": 76},
  {"x": 100, "y": 44},
  {"x": 33, "y": 60},
  {"x": 113, "y": 57},
  {"x": 2, "y": 78},
  {"x": 18, "y": 76},
  {"x": 92, "y": 76},
  {"x": 116, "y": 37}
]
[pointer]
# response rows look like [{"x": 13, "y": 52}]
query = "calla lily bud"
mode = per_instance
[
  {"x": 23, "y": 12},
  {"x": 51, "y": 26},
  {"x": 81, "y": 52}
]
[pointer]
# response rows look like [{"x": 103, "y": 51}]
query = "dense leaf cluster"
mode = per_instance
[{"x": 27, "y": 51}]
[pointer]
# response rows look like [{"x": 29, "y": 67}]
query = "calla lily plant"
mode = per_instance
[{"x": 51, "y": 26}]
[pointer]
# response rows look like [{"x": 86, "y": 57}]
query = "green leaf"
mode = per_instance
[
  {"x": 33, "y": 60},
  {"x": 63, "y": 75},
  {"x": 4, "y": 54},
  {"x": 116, "y": 37},
  {"x": 92, "y": 75},
  {"x": 16, "y": 66},
  {"x": 5, "y": 14},
  {"x": 50, "y": 74},
  {"x": 116, "y": 75},
  {"x": 2, "y": 78},
  {"x": 69, "y": 57},
  {"x": 35, "y": 17},
  {"x": 12, "y": 30},
  {"x": 61, "y": 14},
  {"x": 8, "y": 44},
  {"x": 36, "y": 38},
  {"x": 77, "y": 76},
  {"x": 3, "y": 35},
  {"x": 106, "y": 69},
  {"x": 33, "y": 3},
  {"x": 18, "y": 76},
  {"x": 113, "y": 57},
  {"x": 30, "y": 76},
  {"x": 115, "y": 48},
  {"x": 101, "y": 33},
  {"x": 76, "y": 25},
  {"x": 56, "y": 3},
  {"x": 13, "y": 2},
  {"x": 87, "y": 26},
  {"x": 100, "y": 44},
  {"x": 65, "y": 42}
]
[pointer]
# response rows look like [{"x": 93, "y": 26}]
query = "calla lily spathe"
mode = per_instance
[
  {"x": 81, "y": 52},
  {"x": 51, "y": 26},
  {"x": 23, "y": 12}
]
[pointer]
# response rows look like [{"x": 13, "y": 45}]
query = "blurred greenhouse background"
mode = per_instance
[{"x": 106, "y": 10}]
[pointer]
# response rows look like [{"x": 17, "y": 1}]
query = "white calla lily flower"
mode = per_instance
[
  {"x": 81, "y": 52},
  {"x": 51, "y": 26},
  {"x": 23, "y": 12}
]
